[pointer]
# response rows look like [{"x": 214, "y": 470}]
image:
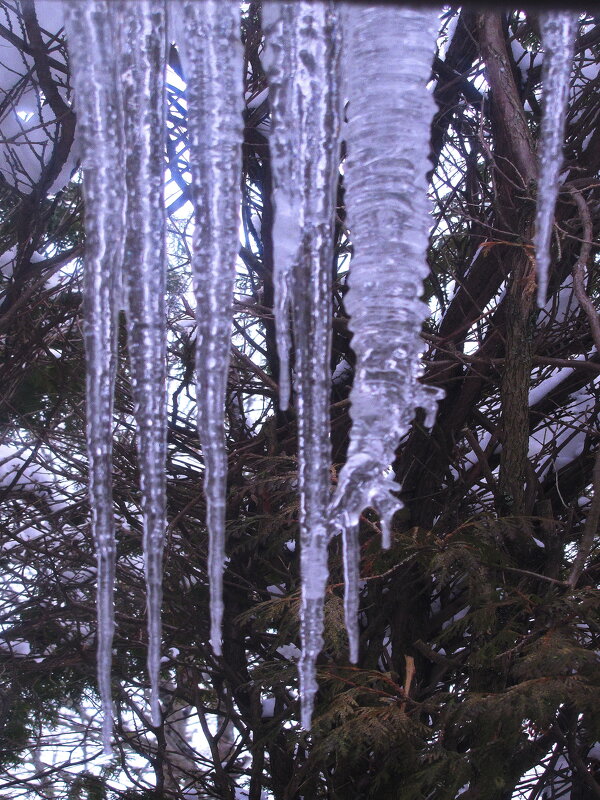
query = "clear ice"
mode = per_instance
[
  {"x": 559, "y": 29},
  {"x": 208, "y": 32},
  {"x": 120, "y": 98},
  {"x": 142, "y": 61},
  {"x": 302, "y": 59},
  {"x": 92, "y": 29},
  {"x": 388, "y": 53}
]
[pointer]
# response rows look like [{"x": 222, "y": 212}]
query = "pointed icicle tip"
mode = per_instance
[
  {"x": 386, "y": 533},
  {"x": 353, "y": 654},
  {"x": 307, "y": 706},
  {"x": 216, "y": 645},
  {"x": 107, "y": 725},
  {"x": 155, "y": 710}
]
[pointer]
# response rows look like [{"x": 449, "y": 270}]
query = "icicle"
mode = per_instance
[
  {"x": 387, "y": 64},
  {"x": 302, "y": 58},
  {"x": 286, "y": 138},
  {"x": 142, "y": 65},
  {"x": 92, "y": 31},
  {"x": 209, "y": 35},
  {"x": 559, "y": 29},
  {"x": 351, "y": 548}
]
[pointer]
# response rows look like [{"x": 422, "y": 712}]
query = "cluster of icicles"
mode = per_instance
[{"x": 318, "y": 56}]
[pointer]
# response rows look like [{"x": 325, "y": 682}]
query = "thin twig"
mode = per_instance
[
  {"x": 590, "y": 528},
  {"x": 581, "y": 265},
  {"x": 531, "y": 574}
]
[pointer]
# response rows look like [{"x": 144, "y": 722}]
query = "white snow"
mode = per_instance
[
  {"x": 268, "y": 707},
  {"x": 341, "y": 373},
  {"x": 547, "y": 385},
  {"x": 17, "y": 469},
  {"x": 258, "y": 99},
  {"x": 289, "y": 651},
  {"x": 7, "y": 262},
  {"x": 456, "y": 617},
  {"x": 17, "y": 647}
]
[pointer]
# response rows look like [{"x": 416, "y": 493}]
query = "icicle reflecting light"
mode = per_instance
[
  {"x": 302, "y": 57},
  {"x": 92, "y": 30},
  {"x": 559, "y": 29},
  {"x": 120, "y": 111},
  {"x": 143, "y": 64},
  {"x": 387, "y": 64},
  {"x": 209, "y": 35},
  {"x": 118, "y": 55},
  {"x": 285, "y": 72}
]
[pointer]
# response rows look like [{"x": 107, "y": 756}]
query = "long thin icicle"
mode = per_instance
[
  {"x": 559, "y": 29},
  {"x": 387, "y": 64},
  {"x": 285, "y": 141},
  {"x": 142, "y": 65},
  {"x": 302, "y": 57},
  {"x": 92, "y": 31},
  {"x": 209, "y": 36}
]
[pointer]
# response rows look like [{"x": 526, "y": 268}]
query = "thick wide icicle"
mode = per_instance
[
  {"x": 302, "y": 58},
  {"x": 387, "y": 63},
  {"x": 92, "y": 30},
  {"x": 142, "y": 65},
  {"x": 209, "y": 37},
  {"x": 558, "y": 29}
]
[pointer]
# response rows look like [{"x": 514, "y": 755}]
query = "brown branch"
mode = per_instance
[
  {"x": 261, "y": 374},
  {"x": 15, "y": 40},
  {"x": 593, "y": 517},
  {"x": 590, "y": 528},
  {"x": 507, "y": 108},
  {"x": 581, "y": 265}
]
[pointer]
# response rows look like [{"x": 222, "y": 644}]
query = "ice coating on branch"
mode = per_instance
[
  {"x": 302, "y": 58},
  {"x": 92, "y": 30},
  {"x": 387, "y": 64},
  {"x": 142, "y": 66},
  {"x": 208, "y": 32},
  {"x": 559, "y": 29}
]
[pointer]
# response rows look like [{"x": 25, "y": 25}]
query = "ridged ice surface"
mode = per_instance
[
  {"x": 118, "y": 59},
  {"x": 388, "y": 52},
  {"x": 208, "y": 33},
  {"x": 302, "y": 58},
  {"x": 92, "y": 29},
  {"x": 142, "y": 65},
  {"x": 281, "y": 58},
  {"x": 559, "y": 29}
]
